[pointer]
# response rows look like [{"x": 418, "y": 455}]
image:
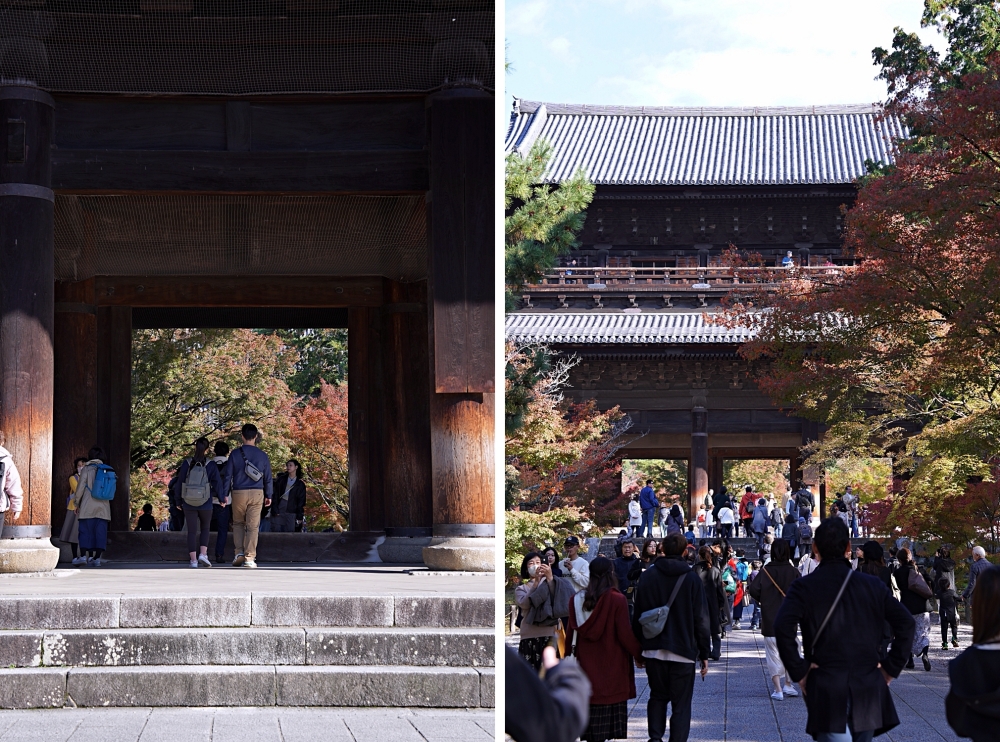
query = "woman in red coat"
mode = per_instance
[{"x": 604, "y": 645}]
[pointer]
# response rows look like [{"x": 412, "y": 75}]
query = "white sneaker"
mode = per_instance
[
  {"x": 250, "y": 564},
  {"x": 778, "y": 696},
  {"x": 194, "y": 564},
  {"x": 94, "y": 562},
  {"x": 789, "y": 690},
  {"x": 79, "y": 560},
  {"x": 203, "y": 559},
  {"x": 736, "y": 625}
]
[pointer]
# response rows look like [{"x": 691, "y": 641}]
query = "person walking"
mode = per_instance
[
  {"x": 635, "y": 517},
  {"x": 944, "y": 566},
  {"x": 726, "y": 519},
  {"x": 649, "y": 504},
  {"x": 840, "y": 613},
  {"x": 93, "y": 514},
  {"x": 574, "y": 566},
  {"x": 684, "y": 639},
  {"x": 873, "y": 563},
  {"x": 759, "y": 522},
  {"x": 288, "y": 511},
  {"x": 768, "y": 589},
  {"x": 851, "y": 501},
  {"x": 11, "y": 492},
  {"x": 252, "y": 489},
  {"x": 972, "y": 705},
  {"x": 948, "y": 612},
  {"x": 979, "y": 564},
  {"x": 790, "y": 533},
  {"x": 197, "y": 479},
  {"x": 222, "y": 508},
  {"x": 675, "y": 520},
  {"x": 715, "y": 597},
  {"x": 748, "y": 504},
  {"x": 914, "y": 593},
  {"x": 601, "y": 638},
  {"x": 70, "y": 531},
  {"x": 623, "y": 566}
]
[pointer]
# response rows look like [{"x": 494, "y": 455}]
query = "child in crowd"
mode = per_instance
[
  {"x": 948, "y": 610},
  {"x": 146, "y": 521}
]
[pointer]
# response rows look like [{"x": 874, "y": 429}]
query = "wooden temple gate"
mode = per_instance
[{"x": 117, "y": 197}]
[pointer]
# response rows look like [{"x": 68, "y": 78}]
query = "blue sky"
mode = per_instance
[{"x": 700, "y": 52}]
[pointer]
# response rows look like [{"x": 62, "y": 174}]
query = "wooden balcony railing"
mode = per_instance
[{"x": 695, "y": 278}]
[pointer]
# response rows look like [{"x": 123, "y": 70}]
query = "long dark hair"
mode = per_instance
[
  {"x": 781, "y": 551},
  {"x": 298, "y": 470},
  {"x": 985, "y": 606},
  {"x": 602, "y": 579},
  {"x": 645, "y": 545}
]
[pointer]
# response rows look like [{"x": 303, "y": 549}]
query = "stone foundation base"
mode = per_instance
[
  {"x": 27, "y": 555},
  {"x": 403, "y": 549},
  {"x": 461, "y": 554}
]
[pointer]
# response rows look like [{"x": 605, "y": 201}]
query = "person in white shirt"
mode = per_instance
[
  {"x": 574, "y": 566},
  {"x": 635, "y": 516},
  {"x": 807, "y": 564},
  {"x": 11, "y": 493},
  {"x": 726, "y": 520}
]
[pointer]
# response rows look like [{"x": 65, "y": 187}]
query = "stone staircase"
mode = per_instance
[{"x": 256, "y": 649}]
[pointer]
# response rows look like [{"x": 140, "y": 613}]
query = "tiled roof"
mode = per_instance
[
  {"x": 606, "y": 328},
  {"x": 705, "y": 146}
]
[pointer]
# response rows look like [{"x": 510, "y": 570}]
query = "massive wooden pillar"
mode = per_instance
[
  {"x": 74, "y": 428},
  {"x": 364, "y": 442},
  {"x": 699, "y": 458},
  {"x": 406, "y": 412},
  {"x": 461, "y": 327},
  {"x": 114, "y": 402},
  {"x": 26, "y": 300},
  {"x": 716, "y": 470}
]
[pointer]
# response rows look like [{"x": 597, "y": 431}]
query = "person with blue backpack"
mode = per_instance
[
  {"x": 94, "y": 493},
  {"x": 197, "y": 481}
]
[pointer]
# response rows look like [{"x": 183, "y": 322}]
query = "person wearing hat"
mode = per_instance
[{"x": 574, "y": 566}]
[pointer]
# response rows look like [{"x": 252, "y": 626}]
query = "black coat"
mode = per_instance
[
  {"x": 769, "y": 597},
  {"x": 715, "y": 594},
  {"x": 688, "y": 631},
  {"x": 914, "y": 603},
  {"x": 296, "y": 497},
  {"x": 973, "y": 702},
  {"x": 847, "y": 653},
  {"x": 553, "y": 710},
  {"x": 622, "y": 568}
]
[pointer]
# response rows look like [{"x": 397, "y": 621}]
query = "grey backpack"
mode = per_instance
[{"x": 196, "y": 490}]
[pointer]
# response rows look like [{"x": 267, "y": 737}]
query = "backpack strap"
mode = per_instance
[{"x": 832, "y": 609}]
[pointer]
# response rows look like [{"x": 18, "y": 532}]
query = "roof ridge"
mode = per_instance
[{"x": 556, "y": 109}]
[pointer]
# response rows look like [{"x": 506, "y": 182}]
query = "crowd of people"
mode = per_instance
[
  {"x": 838, "y": 626},
  {"x": 207, "y": 494}
]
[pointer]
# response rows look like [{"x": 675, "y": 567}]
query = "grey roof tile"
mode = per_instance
[
  {"x": 606, "y": 328},
  {"x": 619, "y": 145}
]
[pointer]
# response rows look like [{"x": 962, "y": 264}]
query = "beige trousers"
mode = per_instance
[{"x": 247, "y": 505}]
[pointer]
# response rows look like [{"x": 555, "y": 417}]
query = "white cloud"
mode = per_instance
[
  {"x": 559, "y": 47},
  {"x": 525, "y": 19}
]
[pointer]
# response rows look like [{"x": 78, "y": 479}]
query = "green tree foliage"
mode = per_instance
[
  {"x": 542, "y": 221},
  {"x": 870, "y": 478},
  {"x": 526, "y": 531},
  {"x": 766, "y": 476},
  {"x": 670, "y": 476},
  {"x": 913, "y": 69},
  {"x": 322, "y": 357}
]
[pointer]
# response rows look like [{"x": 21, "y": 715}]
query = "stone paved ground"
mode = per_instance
[
  {"x": 246, "y": 725},
  {"x": 733, "y": 702}
]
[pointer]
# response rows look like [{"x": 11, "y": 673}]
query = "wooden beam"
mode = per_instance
[
  {"x": 125, "y": 171},
  {"x": 232, "y": 291}
]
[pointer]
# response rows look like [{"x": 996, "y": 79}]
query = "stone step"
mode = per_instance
[
  {"x": 247, "y": 685},
  {"x": 453, "y": 610},
  {"x": 431, "y": 647}
]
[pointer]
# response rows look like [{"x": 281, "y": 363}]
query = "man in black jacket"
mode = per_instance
[
  {"x": 623, "y": 565},
  {"x": 685, "y": 639},
  {"x": 846, "y": 688}
]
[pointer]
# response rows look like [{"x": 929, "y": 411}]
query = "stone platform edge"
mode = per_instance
[
  {"x": 242, "y": 685},
  {"x": 455, "y": 610}
]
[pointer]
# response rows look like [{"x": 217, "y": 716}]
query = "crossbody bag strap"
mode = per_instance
[
  {"x": 832, "y": 609},
  {"x": 764, "y": 570},
  {"x": 677, "y": 589}
]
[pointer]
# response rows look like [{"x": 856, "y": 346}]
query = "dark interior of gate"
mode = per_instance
[
  {"x": 676, "y": 191},
  {"x": 214, "y": 156}
]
